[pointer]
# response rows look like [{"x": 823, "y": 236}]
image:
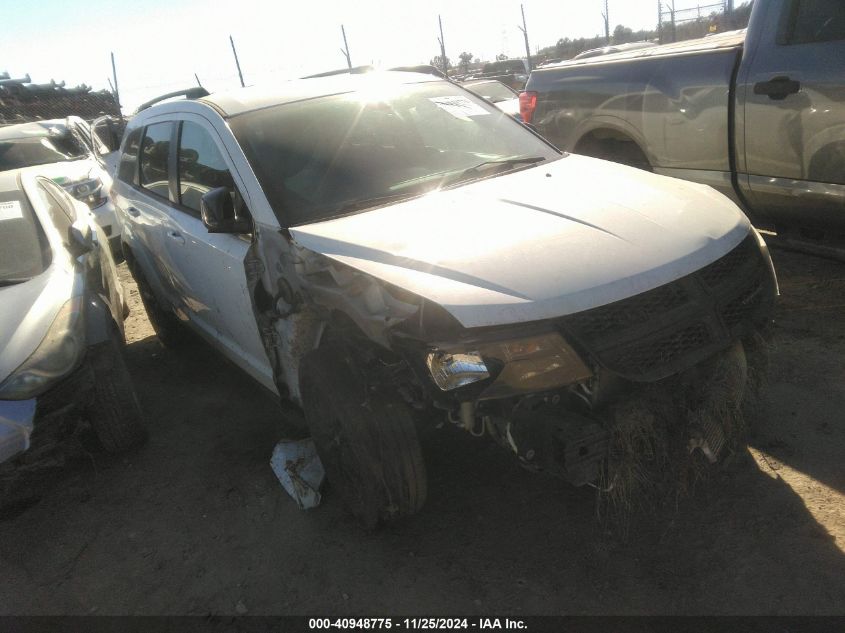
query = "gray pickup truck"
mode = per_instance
[{"x": 758, "y": 114}]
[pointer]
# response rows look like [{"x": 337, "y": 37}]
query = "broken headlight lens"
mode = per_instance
[
  {"x": 54, "y": 358},
  {"x": 538, "y": 363},
  {"x": 451, "y": 371},
  {"x": 88, "y": 190}
]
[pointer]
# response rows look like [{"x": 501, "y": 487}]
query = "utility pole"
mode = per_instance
[
  {"x": 606, "y": 16},
  {"x": 114, "y": 74},
  {"x": 237, "y": 63},
  {"x": 674, "y": 31},
  {"x": 442, "y": 48},
  {"x": 345, "y": 49},
  {"x": 659, "y": 22},
  {"x": 524, "y": 29}
]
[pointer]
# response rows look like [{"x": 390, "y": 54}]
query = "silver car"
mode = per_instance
[{"x": 61, "y": 321}]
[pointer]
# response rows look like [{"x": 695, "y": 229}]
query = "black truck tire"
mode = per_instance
[
  {"x": 366, "y": 440},
  {"x": 115, "y": 413}
]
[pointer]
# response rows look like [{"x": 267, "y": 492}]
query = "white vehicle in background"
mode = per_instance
[
  {"x": 376, "y": 247},
  {"x": 67, "y": 152}
]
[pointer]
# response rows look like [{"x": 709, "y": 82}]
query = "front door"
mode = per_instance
[
  {"x": 208, "y": 268},
  {"x": 794, "y": 114}
]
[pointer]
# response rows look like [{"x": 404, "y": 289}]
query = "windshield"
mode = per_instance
[
  {"x": 493, "y": 91},
  {"x": 40, "y": 150},
  {"x": 24, "y": 249},
  {"x": 329, "y": 156}
]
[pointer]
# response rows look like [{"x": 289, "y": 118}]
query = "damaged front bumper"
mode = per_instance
[{"x": 554, "y": 397}]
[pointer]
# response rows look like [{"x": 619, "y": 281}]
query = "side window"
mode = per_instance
[
  {"x": 201, "y": 166},
  {"x": 816, "y": 21},
  {"x": 128, "y": 167},
  {"x": 154, "y": 160}
]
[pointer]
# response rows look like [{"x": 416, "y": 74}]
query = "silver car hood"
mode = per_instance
[{"x": 551, "y": 240}]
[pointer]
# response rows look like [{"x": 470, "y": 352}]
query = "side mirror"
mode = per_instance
[
  {"x": 80, "y": 239},
  {"x": 218, "y": 213}
]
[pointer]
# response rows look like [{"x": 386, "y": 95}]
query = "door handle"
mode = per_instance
[
  {"x": 133, "y": 212},
  {"x": 778, "y": 88},
  {"x": 175, "y": 235}
]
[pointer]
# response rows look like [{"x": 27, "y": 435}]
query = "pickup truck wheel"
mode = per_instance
[
  {"x": 166, "y": 326},
  {"x": 115, "y": 414},
  {"x": 617, "y": 150},
  {"x": 366, "y": 440}
]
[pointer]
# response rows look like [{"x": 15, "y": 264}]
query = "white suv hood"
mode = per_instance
[{"x": 548, "y": 241}]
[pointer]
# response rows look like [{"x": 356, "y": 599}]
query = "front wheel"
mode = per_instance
[
  {"x": 115, "y": 414},
  {"x": 366, "y": 440}
]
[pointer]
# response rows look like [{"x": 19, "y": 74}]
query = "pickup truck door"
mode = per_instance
[{"x": 792, "y": 109}]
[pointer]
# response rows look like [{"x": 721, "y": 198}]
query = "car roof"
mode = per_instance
[{"x": 235, "y": 102}]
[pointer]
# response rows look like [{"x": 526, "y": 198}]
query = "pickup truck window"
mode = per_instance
[
  {"x": 816, "y": 21},
  {"x": 155, "y": 159}
]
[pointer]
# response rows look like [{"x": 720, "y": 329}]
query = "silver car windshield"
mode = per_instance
[
  {"x": 24, "y": 249},
  {"x": 331, "y": 156}
]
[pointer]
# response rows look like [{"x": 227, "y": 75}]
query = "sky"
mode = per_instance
[{"x": 160, "y": 44}]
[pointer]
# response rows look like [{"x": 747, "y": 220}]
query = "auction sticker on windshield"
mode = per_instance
[
  {"x": 10, "y": 210},
  {"x": 458, "y": 107}
]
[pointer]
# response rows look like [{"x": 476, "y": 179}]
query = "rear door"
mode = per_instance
[{"x": 794, "y": 113}]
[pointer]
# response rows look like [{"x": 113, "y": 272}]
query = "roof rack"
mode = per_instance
[{"x": 196, "y": 92}]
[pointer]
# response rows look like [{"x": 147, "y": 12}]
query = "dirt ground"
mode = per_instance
[{"x": 196, "y": 523}]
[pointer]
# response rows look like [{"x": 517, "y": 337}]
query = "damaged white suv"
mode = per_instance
[{"x": 370, "y": 247}]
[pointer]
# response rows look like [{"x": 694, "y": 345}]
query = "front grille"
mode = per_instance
[
  {"x": 660, "y": 332},
  {"x": 623, "y": 314},
  {"x": 664, "y": 351}
]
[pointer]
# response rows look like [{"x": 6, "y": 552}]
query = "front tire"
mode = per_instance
[
  {"x": 365, "y": 438},
  {"x": 115, "y": 414}
]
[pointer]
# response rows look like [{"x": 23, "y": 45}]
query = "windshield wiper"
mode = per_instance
[
  {"x": 366, "y": 203},
  {"x": 12, "y": 281},
  {"x": 508, "y": 162}
]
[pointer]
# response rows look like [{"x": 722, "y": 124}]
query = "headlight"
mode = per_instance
[
  {"x": 89, "y": 191},
  {"x": 529, "y": 365},
  {"x": 451, "y": 371},
  {"x": 525, "y": 365},
  {"x": 56, "y": 356}
]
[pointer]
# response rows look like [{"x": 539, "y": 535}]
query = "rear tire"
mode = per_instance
[
  {"x": 169, "y": 331},
  {"x": 115, "y": 414},
  {"x": 366, "y": 440}
]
